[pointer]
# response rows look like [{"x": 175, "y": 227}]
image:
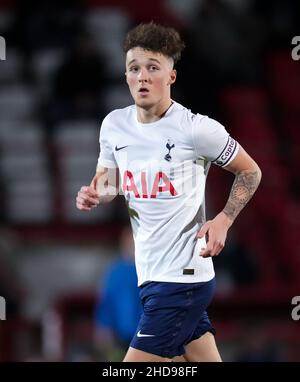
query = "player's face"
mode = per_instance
[{"x": 149, "y": 76}]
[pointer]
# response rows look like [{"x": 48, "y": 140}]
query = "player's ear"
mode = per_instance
[{"x": 173, "y": 75}]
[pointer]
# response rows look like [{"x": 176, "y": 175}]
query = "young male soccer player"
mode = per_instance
[{"x": 161, "y": 152}]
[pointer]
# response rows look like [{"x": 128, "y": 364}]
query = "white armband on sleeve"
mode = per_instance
[{"x": 228, "y": 154}]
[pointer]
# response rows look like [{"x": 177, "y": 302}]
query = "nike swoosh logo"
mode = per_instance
[
  {"x": 120, "y": 148},
  {"x": 139, "y": 334}
]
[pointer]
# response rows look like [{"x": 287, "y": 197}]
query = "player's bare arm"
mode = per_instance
[
  {"x": 103, "y": 189},
  {"x": 247, "y": 178}
]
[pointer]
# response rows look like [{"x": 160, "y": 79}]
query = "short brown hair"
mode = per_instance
[{"x": 156, "y": 38}]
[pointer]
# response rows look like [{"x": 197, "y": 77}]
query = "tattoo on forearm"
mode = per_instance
[{"x": 243, "y": 188}]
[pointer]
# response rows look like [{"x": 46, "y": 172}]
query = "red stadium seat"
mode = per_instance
[
  {"x": 284, "y": 78},
  {"x": 244, "y": 101}
]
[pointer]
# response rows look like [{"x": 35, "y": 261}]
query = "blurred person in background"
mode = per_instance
[
  {"x": 118, "y": 306},
  {"x": 11, "y": 288},
  {"x": 146, "y": 145},
  {"x": 79, "y": 82}
]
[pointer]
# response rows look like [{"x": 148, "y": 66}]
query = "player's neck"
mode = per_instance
[{"x": 154, "y": 113}]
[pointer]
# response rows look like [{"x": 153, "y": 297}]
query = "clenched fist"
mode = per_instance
[{"x": 87, "y": 198}]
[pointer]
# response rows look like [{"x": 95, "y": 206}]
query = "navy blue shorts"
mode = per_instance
[{"x": 174, "y": 314}]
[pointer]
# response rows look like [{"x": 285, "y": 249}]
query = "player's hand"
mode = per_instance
[
  {"x": 87, "y": 198},
  {"x": 216, "y": 232}
]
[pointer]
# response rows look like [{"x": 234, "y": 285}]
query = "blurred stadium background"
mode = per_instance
[{"x": 64, "y": 71}]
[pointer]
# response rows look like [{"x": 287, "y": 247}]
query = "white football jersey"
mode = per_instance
[{"x": 163, "y": 168}]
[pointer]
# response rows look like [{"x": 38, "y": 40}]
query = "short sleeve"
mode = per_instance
[
  {"x": 212, "y": 142},
  {"x": 106, "y": 156}
]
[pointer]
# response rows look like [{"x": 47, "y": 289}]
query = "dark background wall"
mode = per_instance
[{"x": 64, "y": 70}]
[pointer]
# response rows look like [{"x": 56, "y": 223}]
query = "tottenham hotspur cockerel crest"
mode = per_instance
[{"x": 170, "y": 145}]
